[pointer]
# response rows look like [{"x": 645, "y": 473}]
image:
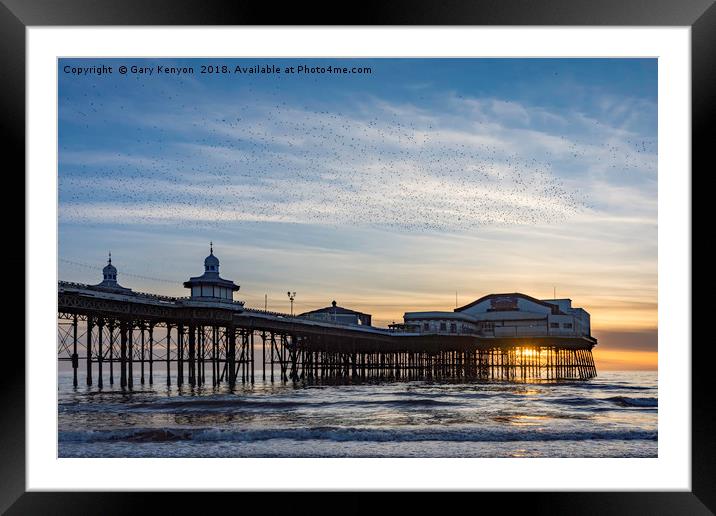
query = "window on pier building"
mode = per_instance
[
  {"x": 426, "y": 326},
  {"x": 554, "y": 325},
  {"x": 453, "y": 328},
  {"x": 443, "y": 326},
  {"x": 567, "y": 325}
]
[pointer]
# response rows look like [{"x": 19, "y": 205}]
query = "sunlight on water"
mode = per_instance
[{"x": 614, "y": 415}]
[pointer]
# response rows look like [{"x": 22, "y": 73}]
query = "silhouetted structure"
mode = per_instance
[
  {"x": 338, "y": 314},
  {"x": 114, "y": 325}
]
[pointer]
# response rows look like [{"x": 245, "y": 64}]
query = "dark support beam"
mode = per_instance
[
  {"x": 75, "y": 358},
  {"x": 192, "y": 354},
  {"x": 251, "y": 355},
  {"x": 130, "y": 352},
  {"x": 180, "y": 355},
  {"x": 123, "y": 354},
  {"x": 89, "y": 350},
  {"x": 169, "y": 354},
  {"x": 151, "y": 354},
  {"x": 141, "y": 356},
  {"x": 263, "y": 354},
  {"x": 100, "y": 331},
  {"x": 110, "y": 328},
  {"x": 232, "y": 356}
]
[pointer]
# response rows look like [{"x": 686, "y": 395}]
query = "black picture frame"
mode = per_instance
[{"x": 17, "y": 15}]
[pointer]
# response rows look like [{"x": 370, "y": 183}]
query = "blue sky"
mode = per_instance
[{"x": 387, "y": 191}]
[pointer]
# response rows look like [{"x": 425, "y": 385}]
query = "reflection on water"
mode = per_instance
[{"x": 614, "y": 415}]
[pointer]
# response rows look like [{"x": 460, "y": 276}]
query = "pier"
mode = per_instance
[{"x": 111, "y": 334}]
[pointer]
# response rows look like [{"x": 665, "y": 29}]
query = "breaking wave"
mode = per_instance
[
  {"x": 347, "y": 434},
  {"x": 624, "y": 401}
]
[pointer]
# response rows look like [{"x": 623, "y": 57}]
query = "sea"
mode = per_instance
[{"x": 613, "y": 415}]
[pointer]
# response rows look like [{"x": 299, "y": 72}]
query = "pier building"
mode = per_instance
[
  {"x": 210, "y": 286},
  {"x": 505, "y": 315},
  {"x": 109, "y": 278},
  {"x": 338, "y": 314}
]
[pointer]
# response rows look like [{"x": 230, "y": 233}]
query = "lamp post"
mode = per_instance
[{"x": 291, "y": 296}]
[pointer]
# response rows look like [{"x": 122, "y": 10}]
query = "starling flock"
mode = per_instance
[{"x": 262, "y": 157}]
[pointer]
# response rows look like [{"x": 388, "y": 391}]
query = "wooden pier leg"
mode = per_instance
[
  {"x": 214, "y": 363},
  {"x": 273, "y": 347},
  {"x": 251, "y": 354},
  {"x": 141, "y": 356},
  {"x": 192, "y": 354},
  {"x": 203, "y": 355},
  {"x": 245, "y": 355},
  {"x": 151, "y": 353},
  {"x": 123, "y": 354},
  {"x": 197, "y": 355},
  {"x": 200, "y": 355},
  {"x": 539, "y": 363},
  {"x": 583, "y": 364},
  {"x": 557, "y": 364},
  {"x": 169, "y": 354},
  {"x": 263, "y": 355},
  {"x": 110, "y": 327},
  {"x": 284, "y": 377},
  {"x": 232, "y": 357},
  {"x": 100, "y": 331},
  {"x": 75, "y": 357},
  {"x": 89, "y": 350},
  {"x": 180, "y": 355},
  {"x": 130, "y": 355}
]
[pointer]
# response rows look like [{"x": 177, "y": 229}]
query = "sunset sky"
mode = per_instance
[{"x": 387, "y": 191}]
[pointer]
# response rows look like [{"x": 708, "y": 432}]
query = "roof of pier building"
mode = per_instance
[
  {"x": 514, "y": 301},
  {"x": 513, "y": 306},
  {"x": 109, "y": 278},
  {"x": 334, "y": 309}
]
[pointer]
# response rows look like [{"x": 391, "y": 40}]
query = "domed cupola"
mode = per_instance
[
  {"x": 211, "y": 262},
  {"x": 210, "y": 286},
  {"x": 109, "y": 277},
  {"x": 110, "y": 271}
]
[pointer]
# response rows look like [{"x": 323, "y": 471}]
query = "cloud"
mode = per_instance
[{"x": 384, "y": 165}]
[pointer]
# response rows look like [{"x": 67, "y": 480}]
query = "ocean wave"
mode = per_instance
[
  {"x": 574, "y": 402},
  {"x": 341, "y": 434},
  {"x": 232, "y": 404},
  {"x": 624, "y": 401},
  {"x": 593, "y": 403},
  {"x": 597, "y": 386}
]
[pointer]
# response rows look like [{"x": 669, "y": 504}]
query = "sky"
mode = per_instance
[{"x": 410, "y": 185}]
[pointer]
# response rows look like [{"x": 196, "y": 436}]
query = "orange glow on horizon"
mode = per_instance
[{"x": 625, "y": 360}]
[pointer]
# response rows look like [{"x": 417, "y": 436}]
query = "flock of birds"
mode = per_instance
[{"x": 263, "y": 157}]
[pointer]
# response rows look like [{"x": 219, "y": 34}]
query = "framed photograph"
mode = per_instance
[{"x": 436, "y": 250}]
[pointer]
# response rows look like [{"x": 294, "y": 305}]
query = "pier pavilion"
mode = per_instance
[
  {"x": 338, "y": 314},
  {"x": 210, "y": 286},
  {"x": 506, "y": 315}
]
